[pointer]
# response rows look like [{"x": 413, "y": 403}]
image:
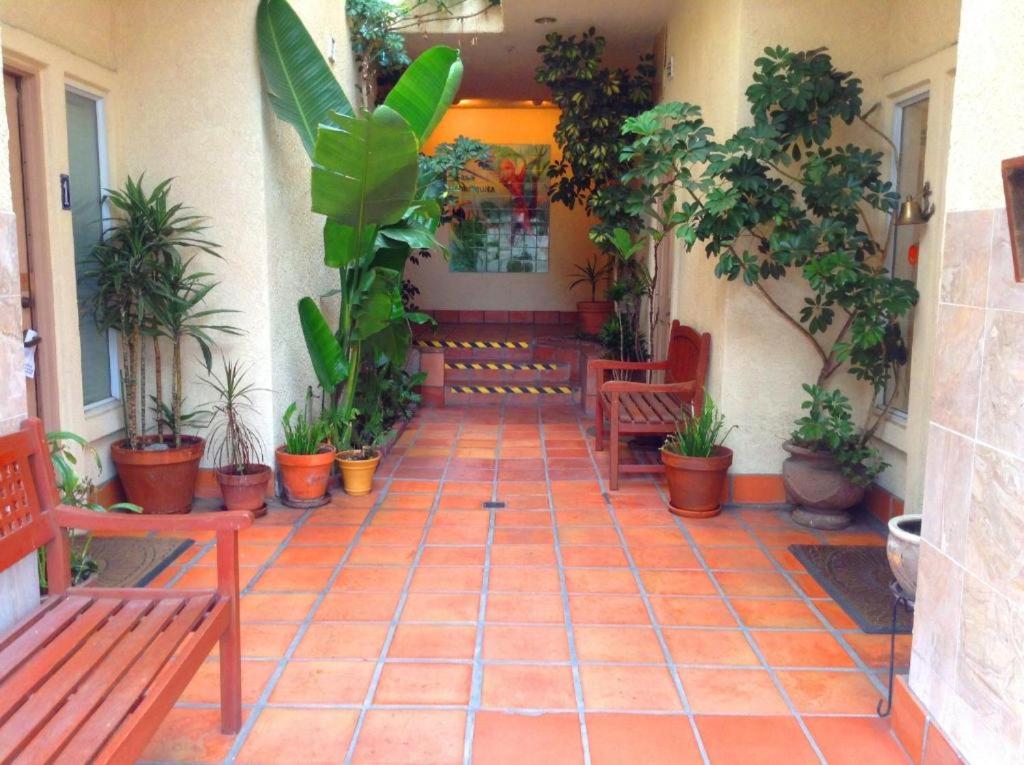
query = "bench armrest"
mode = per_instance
[
  {"x": 614, "y": 387},
  {"x": 610, "y": 365},
  {"x": 72, "y": 518}
]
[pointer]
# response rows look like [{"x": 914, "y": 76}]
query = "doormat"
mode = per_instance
[
  {"x": 858, "y": 579},
  {"x": 133, "y": 561}
]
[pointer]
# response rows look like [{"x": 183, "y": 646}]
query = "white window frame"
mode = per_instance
[{"x": 114, "y": 399}]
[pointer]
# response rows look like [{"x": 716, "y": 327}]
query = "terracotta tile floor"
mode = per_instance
[{"x": 416, "y": 625}]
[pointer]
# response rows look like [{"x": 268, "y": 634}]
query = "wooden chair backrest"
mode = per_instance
[
  {"x": 27, "y": 493},
  {"x": 689, "y": 353}
]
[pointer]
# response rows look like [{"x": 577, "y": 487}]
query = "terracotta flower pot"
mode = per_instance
[
  {"x": 696, "y": 484},
  {"x": 593, "y": 315},
  {"x": 357, "y": 474},
  {"x": 903, "y": 549},
  {"x": 305, "y": 476},
  {"x": 160, "y": 481},
  {"x": 246, "y": 490},
  {"x": 816, "y": 485}
]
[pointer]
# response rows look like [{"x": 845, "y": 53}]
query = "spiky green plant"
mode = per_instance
[
  {"x": 697, "y": 434},
  {"x": 303, "y": 432}
]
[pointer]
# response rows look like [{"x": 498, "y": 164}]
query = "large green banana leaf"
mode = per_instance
[
  {"x": 426, "y": 89},
  {"x": 344, "y": 244},
  {"x": 329, "y": 363},
  {"x": 365, "y": 168},
  {"x": 302, "y": 88}
]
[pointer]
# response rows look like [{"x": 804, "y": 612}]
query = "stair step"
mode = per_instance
[
  {"x": 505, "y": 372},
  {"x": 510, "y": 394},
  {"x": 481, "y": 350}
]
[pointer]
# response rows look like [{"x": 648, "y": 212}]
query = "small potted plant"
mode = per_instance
[
  {"x": 830, "y": 464},
  {"x": 305, "y": 458},
  {"x": 592, "y": 313},
  {"x": 696, "y": 463},
  {"x": 358, "y": 467},
  {"x": 235, "y": 447},
  {"x": 358, "y": 464}
]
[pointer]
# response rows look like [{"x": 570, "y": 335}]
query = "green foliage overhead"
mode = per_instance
[{"x": 778, "y": 199}]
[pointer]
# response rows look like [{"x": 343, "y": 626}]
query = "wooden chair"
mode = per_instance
[
  {"x": 649, "y": 408},
  {"x": 90, "y": 673}
]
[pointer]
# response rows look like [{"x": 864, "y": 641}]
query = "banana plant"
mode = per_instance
[{"x": 365, "y": 181}]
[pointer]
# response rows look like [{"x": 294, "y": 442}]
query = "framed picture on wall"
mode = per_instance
[{"x": 1013, "y": 185}]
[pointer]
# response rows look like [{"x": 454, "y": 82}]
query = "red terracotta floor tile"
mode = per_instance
[
  {"x": 774, "y": 739},
  {"x": 607, "y": 609},
  {"x": 856, "y": 740},
  {"x": 625, "y": 687},
  {"x": 294, "y": 579},
  {"x": 761, "y": 584},
  {"x": 535, "y": 579},
  {"x": 691, "y": 611},
  {"x": 802, "y": 649},
  {"x": 718, "y": 647},
  {"x": 371, "y": 555},
  {"x": 618, "y": 644},
  {"x": 553, "y": 739},
  {"x": 299, "y": 735},
  {"x": 371, "y": 579},
  {"x": 441, "y": 607},
  {"x": 406, "y": 683},
  {"x": 310, "y": 555},
  {"x": 357, "y": 606},
  {"x": 659, "y": 582},
  {"x": 873, "y": 650},
  {"x": 523, "y": 555},
  {"x": 447, "y": 579},
  {"x": 737, "y": 559},
  {"x": 433, "y": 641},
  {"x": 323, "y": 682},
  {"x": 276, "y": 608},
  {"x": 613, "y": 581},
  {"x": 824, "y": 692},
  {"x": 528, "y": 686},
  {"x": 594, "y": 556},
  {"x": 732, "y": 691},
  {"x": 204, "y": 688},
  {"x": 532, "y": 643},
  {"x": 809, "y": 586},
  {"x": 793, "y": 614},
  {"x": 453, "y": 556},
  {"x": 835, "y": 615},
  {"x": 616, "y": 739},
  {"x": 519, "y": 607},
  {"x": 411, "y": 737},
  {"x": 264, "y": 641},
  {"x": 189, "y": 735},
  {"x": 342, "y": 640}
]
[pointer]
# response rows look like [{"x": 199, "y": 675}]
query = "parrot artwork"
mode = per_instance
[{"x": 512, "y": 173}]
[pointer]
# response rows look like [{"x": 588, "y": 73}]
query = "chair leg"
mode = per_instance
[
  {"x": 231, "y": 680},
  {"x": 613, "y": 455},
  {"x": 599, "y": 425}
]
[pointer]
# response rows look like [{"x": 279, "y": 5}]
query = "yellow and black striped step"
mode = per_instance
[
  {"x": 500, "y": 366},
  {"x": 531, "y": 390},
  {"x": 471, "y": 344}
]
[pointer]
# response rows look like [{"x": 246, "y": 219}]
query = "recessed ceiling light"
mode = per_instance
[{"x": 545, "y": 20}]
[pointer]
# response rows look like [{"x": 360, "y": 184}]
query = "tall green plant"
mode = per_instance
[
  {"x": 779, "y": 198},
  {"x": 365, "y": 180}
]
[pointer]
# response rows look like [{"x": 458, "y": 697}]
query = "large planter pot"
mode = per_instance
[
  {"x": 815, "y": 484},
  {"x": 246, "y": 490},
  {"x": 593, "y": 314},
  {"x": 160, "y": 478},
  {"x": 305, "y": 476},
  {"x": 696, "y": 484},
  {"x": 903, "y": 550},
  {"x": 356, "y": 473}
]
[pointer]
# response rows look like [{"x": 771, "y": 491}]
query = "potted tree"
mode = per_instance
[
  {"x": 696, "y": 463},
  {"x": 305, "y": 458},
  {"x": 778, "y": 200},
  {"x": 592, "y": 313},
  {"x": 149, "y": 294},
  {"x": 235, "y": 447}
]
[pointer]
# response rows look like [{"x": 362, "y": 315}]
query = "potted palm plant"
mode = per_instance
[
  {"x": 305, "y": 458},
  {"x": 592, "y": 313},
  {"x": 696, "y": 462},
  {"x": 235, "y": 447},
  {"x": 147, "y": 292}
]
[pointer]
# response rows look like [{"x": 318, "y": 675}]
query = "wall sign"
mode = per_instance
[
  {"x": 503, "y": 219},
  {"x": 1013, "y": 186},
  {"x": 65, "y": 192}
]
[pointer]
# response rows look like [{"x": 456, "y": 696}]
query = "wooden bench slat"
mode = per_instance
[
  {"x": 89, "y": 694},
  {"x": 628, "y": 407},
  {"x": 50, "y": 657},
  {"x": 667, "y": 407},
  {"x": 46, "y": 605},
  {"x": 37, "y": 710},
  {"x": 106, "y": 718},
  {"x": 641, "y": 403},
  {"x": 40, "y": 633}
]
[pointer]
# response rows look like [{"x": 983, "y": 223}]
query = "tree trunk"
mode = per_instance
[{"x": 158, "y": 376}]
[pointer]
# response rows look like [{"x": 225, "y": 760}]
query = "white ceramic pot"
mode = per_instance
[{"x": 903, "y": 550}]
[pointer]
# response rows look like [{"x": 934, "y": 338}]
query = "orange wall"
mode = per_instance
[{"x": 440, "y": 288}]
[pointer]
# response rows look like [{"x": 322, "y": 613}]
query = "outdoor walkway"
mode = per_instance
[{"x": 419, "y": 626}]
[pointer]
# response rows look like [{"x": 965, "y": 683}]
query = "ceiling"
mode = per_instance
[{"x": 501, "y": 65}]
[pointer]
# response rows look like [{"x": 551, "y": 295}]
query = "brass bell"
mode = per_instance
[{"x": 911, "y": 211}]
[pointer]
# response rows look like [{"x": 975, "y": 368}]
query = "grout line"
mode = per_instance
[
  {"x": 272, "y": 681},
  {"x": 654, "y": 622},
  {"x": 403, "y": 596}
]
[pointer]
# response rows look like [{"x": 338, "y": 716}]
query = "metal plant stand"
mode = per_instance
[{"x": 900, "y": 600}]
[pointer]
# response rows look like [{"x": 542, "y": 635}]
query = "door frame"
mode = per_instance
[{"x": 37, "y": 234}]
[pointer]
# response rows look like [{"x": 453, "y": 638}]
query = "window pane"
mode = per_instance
[{"x": 87, "y": 224}]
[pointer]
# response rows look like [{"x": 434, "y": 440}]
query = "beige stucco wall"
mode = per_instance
[
  {"x": 82, "y": 27},
  {"x": 967, "y": 664},
  {"x": 443, "y": 289},
  {"x": 758, "y": 360}
]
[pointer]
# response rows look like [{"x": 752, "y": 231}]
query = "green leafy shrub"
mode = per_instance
[
  {"x": 304, "y": 433},
  {"x": 697, "y": 434}
]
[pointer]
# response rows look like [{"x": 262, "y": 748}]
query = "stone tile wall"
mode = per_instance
[{"x": 968, "y": 648}]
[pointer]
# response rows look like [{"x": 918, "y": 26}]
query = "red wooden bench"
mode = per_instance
[
  {"x": 634, "y": 408},
  {"x": 89, "y": 675}
]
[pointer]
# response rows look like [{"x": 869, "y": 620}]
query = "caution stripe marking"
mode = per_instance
[
  {"x": 471, "y": 344},
  {"x": 532, "y": 390},
  {"x": 499, "y": 365}
]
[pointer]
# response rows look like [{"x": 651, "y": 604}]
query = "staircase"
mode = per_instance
[{"x": 525, "y": 367}]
